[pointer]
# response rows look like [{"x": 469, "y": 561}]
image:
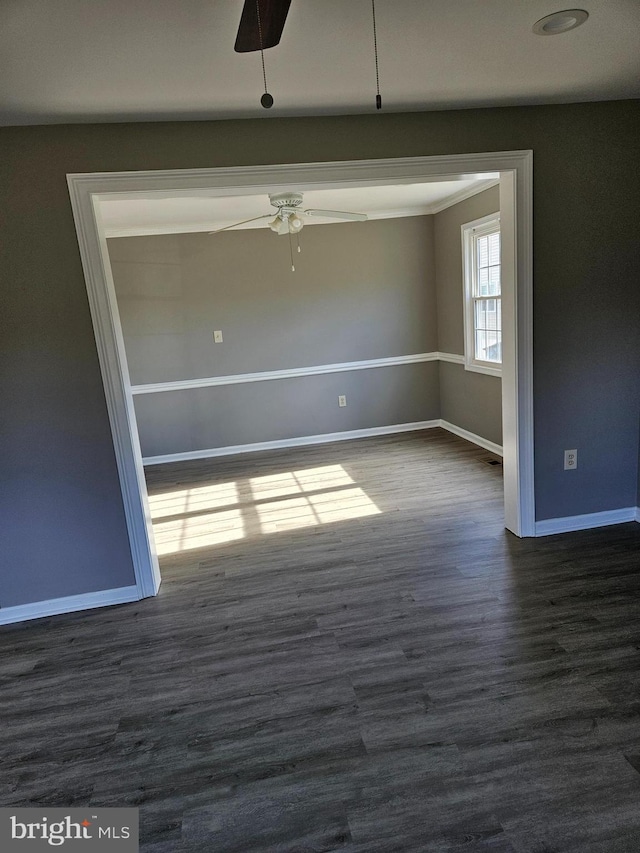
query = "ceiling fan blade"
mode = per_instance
[
  {"x": 273, "y": 14},
  {"x": 338, "y": 214},
  {"x": 244, "y": 222}
]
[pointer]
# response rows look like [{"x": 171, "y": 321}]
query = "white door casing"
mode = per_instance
[{"x": 515, "y": 169}]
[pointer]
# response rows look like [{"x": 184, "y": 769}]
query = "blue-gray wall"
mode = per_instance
[{"x": 62, "y": 525}]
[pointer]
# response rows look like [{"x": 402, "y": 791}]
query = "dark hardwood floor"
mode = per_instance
[{"x": 348, "y": 653}]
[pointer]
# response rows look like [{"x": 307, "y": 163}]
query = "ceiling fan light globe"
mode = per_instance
[
  {"x": 295, "y": 223},
  {"x": 275, "y": 224}
]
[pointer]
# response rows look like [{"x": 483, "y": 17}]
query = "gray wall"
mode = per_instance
[
  {"x": 198, "y": 419},
  {"x": 449, "y": 265},
  {"x": 471, "y": 400},
  {"x": 360, "y": 290},
  {"x": 468, "y": 399},
  {"x": 61, "y": 520}
]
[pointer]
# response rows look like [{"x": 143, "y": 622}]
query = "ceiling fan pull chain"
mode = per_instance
[
  {"x": 375, "y": 52},
  {"x": 298, "y": 240},
  {"x": 293, "y": 268},
  {"x": 266, "y": 100}
]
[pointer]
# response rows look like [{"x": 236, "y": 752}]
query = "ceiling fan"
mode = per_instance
[
  {"x": 261, "y": 24},
  {"x": 288, "y": 220}
]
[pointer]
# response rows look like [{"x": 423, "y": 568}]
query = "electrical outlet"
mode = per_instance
[
  {"x": 342, "y": 400},
  {"x": 217, "y": 337},
  {"x": 570, "y": 460}
]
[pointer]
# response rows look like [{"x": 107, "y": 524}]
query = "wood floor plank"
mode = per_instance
[{"x": 348, "y": 653}]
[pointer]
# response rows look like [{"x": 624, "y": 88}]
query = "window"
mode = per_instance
[{"x": 482, "y": 290}]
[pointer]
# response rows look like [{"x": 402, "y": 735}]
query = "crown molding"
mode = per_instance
[{"x": 463, "y": 195}]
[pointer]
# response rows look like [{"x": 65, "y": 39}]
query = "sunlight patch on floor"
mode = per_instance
[
  {"x": 315, "y": 509},
  {"x": 310, "y": 479},
  {"x": 205, "y": 516},
  {"x": 193, "y": 500},
  {"x": 200, "y": 531}
]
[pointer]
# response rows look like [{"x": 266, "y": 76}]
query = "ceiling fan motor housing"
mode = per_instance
[{"x": 286, "y": 201}]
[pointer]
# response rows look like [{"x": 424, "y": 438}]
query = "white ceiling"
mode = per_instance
[
  {"x": 126, "y": 60},
  {"x": 162, "y": 214}
]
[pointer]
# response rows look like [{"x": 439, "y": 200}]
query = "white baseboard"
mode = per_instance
[
  {"x": 68, "y": 604},
  {"x": 638, "y": 514},
  {"x": 324, "y": 438},
  {"x": 472, "y": 437},
  {"x": 279, "y": 444},
  {"x": 584, "y": 522}
]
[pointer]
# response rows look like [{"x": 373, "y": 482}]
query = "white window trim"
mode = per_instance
[{"x": 470, "y": 230}]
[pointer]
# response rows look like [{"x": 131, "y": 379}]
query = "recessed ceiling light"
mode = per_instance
[{"x": 560, "y": 22}]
